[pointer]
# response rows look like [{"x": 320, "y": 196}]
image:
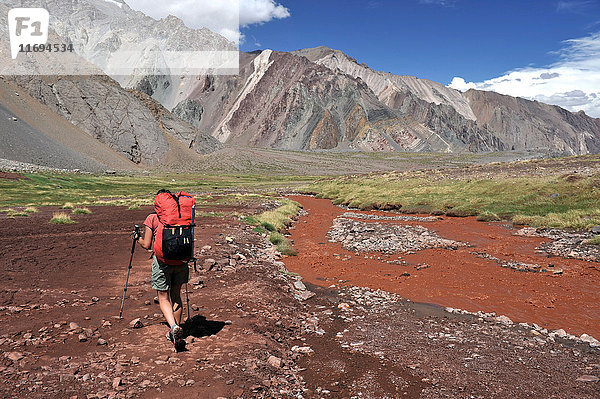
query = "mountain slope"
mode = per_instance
[
  {"x": 506, "y": 122},
  {"x": 102, "y": 109},
  {"x": 31, "y": 132}
]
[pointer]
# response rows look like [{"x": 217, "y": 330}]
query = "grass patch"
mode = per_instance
[
  {"x": 273, "y": 222},
  {"x": 134, "y": 207},
  {"x": 593, "y": 241},
  {"x": 571, "y": 218},
  {"x": 525, "y": 200},
  {"x": 279, "y": 218},
  {"x": 81, "y": 211},
  {"x": 61, "y": 218},
  {"x": 13, "y": 213},
  {"x": 210, "y": 214},
  {"x": 487, "y": 216},
  {"x": 268, "y": 226},
  {"x": 284, "y": 246},
  {"x": 276, "y": 238},
  {"x": 58, "y": 189},
  {"x": 68, "y": 205}
]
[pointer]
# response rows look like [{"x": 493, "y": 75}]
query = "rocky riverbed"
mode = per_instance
[
  {"x": 567, "y": 244},
  {"x": 386, "y": 238}
]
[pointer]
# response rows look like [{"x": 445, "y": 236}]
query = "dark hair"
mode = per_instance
[{"x": 162, "y": 190}]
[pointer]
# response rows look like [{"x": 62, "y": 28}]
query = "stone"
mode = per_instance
[
  {"x": 117, "y": 382},
  {"x": 73, "y": 326},
  {"x": 299, "y": 285},
  {"x": 560, "y": 333},
  {"x": 302, "y": 349},
  {"x": 101, "y": 341},
  {"x": 504, "y": 320},
  {"x": 274, "y": 361},
  {"x": 136, "y": 323},
  {"x": 304, "y": 295},
  {"x": 189, "y": 383},
  {"x": 588, "y": 378},
  {"x": 14, "y": 356},
  {"x": 83, "y": 338},
  {"x": 588, "y": 339},
  {"x": 208, "y": 263},
  {"x": 596, "y": 229},
  {"x": 95, "y": 299}
]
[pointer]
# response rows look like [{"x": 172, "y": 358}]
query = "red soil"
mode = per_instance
[
  {"x": 11, "y": 176},
  {"x": 457, "y": 278}
]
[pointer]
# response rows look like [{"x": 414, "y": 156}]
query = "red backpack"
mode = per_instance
[{"x": 174, "y": 241}]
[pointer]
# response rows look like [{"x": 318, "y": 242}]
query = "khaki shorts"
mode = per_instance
[{"x": 165, "y": 276}]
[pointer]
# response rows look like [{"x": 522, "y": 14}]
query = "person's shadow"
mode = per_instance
[{"x": 199, "y": 327}]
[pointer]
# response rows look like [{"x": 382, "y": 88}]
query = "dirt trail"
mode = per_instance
[
  {"x": 456, "y": 278},
  {"x": 244, "y": 312}
]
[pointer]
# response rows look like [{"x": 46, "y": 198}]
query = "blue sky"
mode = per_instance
[
  {"x": 543, "y": 50},
  {"x": 438, "y": 40}
]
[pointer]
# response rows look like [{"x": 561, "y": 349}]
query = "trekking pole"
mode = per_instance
[
  {"x": 135, "y": 235},
  {"x": 187, "y": 300}
]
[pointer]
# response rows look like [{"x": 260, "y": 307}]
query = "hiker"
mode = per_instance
[{"x": 170, "y": 228}]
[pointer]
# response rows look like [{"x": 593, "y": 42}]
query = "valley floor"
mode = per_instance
[{"x": 255, "y": 330}]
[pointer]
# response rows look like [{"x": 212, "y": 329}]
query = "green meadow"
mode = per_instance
[{"x": 542, "y": 201}]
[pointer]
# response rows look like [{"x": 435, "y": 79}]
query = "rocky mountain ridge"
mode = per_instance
[
  {"x": 514, "y": 123},
  {"x": 102, "y": 109}
]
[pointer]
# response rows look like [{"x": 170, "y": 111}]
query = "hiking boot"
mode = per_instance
[
  {"x": 177, "y": 332},
  {"x": 176, "y": 336},
  {"x": 170, "y": 336}
]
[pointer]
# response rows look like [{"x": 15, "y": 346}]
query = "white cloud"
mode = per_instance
[
  {"x": 221, "y": 16},
  {"x": 260, "y": 11},
  {"x": 445, "y": 3},
  {"x": 573, "y": 6},
  {"x": 572, "y": 83}
]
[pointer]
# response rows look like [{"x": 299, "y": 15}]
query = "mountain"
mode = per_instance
[
  {"x": 321, "y": 99},
  {"x": 125, "y": 121},
  {"x": 514, "y": 123},
  {"x": 31, "y": 132}
]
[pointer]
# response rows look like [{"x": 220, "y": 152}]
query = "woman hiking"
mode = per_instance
[{"x": 170, "y": 229}]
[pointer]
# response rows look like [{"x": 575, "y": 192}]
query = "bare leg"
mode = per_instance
[
  {"x": 166, "y": 307},
  {"x": 177, "y": 303}
]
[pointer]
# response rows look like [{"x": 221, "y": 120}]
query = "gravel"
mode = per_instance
[{"x": 386, "y": 238}]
